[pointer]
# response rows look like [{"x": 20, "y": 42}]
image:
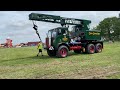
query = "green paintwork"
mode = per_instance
[
  {"x": 59, "y": 39},
  {"x": 57, "y": 19},
  {"x": 93, "y": 35},
  {"x": 81, "y": 24}
]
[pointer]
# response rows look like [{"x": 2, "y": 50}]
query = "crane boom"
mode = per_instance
[{"x": 57, "y": 19}]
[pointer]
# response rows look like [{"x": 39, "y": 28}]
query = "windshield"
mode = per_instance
[
  {"x": 52, "y": 33},
  {"x": 49, "y": 33}
]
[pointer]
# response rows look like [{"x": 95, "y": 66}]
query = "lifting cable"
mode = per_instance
[{"x": 36, "y": 29}]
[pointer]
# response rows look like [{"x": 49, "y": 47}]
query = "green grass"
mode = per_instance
[{"x": 22, "y": 63}]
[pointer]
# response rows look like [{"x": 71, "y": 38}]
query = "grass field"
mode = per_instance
[{"x": 22, "y": 63}]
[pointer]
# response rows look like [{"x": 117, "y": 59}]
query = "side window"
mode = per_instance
[
  {"x": 59, "y": 32},
  {"x": 54, "y": 33}
]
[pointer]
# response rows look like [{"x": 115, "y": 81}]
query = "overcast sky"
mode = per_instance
[{"x": 16, "y": 25}]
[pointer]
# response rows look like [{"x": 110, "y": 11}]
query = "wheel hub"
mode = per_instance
[{"x": 63, "y": 52}]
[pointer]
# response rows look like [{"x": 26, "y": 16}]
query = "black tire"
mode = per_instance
[
  {"x": 90, "y": 48},
  {"x": 51, "y": 53},
  {"x": 62, "y": 52},
  {"x": 98, "y": 48}
]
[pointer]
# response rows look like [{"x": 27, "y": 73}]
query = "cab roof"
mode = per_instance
[{"x": 59, "y": 28}]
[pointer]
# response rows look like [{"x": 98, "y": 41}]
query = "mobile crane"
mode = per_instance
[{"x": 58, "y": 40}]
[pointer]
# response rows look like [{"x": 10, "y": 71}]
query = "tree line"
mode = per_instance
[{"x": 110, "y": 28}]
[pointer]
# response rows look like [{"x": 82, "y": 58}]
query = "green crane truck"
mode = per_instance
[{"x": 59, "y": 40}]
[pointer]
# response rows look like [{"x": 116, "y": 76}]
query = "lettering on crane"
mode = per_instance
[
  {"x": 73, "y": 21},
  {"x": 49, "y": 19},
  {"x": 94, "y": 33}
]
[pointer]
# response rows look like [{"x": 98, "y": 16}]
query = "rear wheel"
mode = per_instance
[
  {"x": 51, "y": 53},
  {"x": 98, "y": 48},
  {"x": 62, "y": 51},
  {"x": 90, "y": 49}
]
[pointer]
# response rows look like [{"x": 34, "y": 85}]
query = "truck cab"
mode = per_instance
[{"x": 56, "y": 36}]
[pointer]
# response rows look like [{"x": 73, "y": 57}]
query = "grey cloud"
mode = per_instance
[{"x": 18, "y": 25}]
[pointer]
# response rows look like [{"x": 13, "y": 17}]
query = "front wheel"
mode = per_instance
[
  {"x": 51, "y": 53},
  {"x": 62, "y": 51}
]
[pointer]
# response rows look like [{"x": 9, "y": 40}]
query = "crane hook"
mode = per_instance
[{"x": 36, "y": 29}]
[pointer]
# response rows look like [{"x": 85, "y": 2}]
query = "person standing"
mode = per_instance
[{"x": 39, "y": 47}]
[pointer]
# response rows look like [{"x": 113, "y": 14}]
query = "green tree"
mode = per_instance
[{"x": 110, "y": 27}]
